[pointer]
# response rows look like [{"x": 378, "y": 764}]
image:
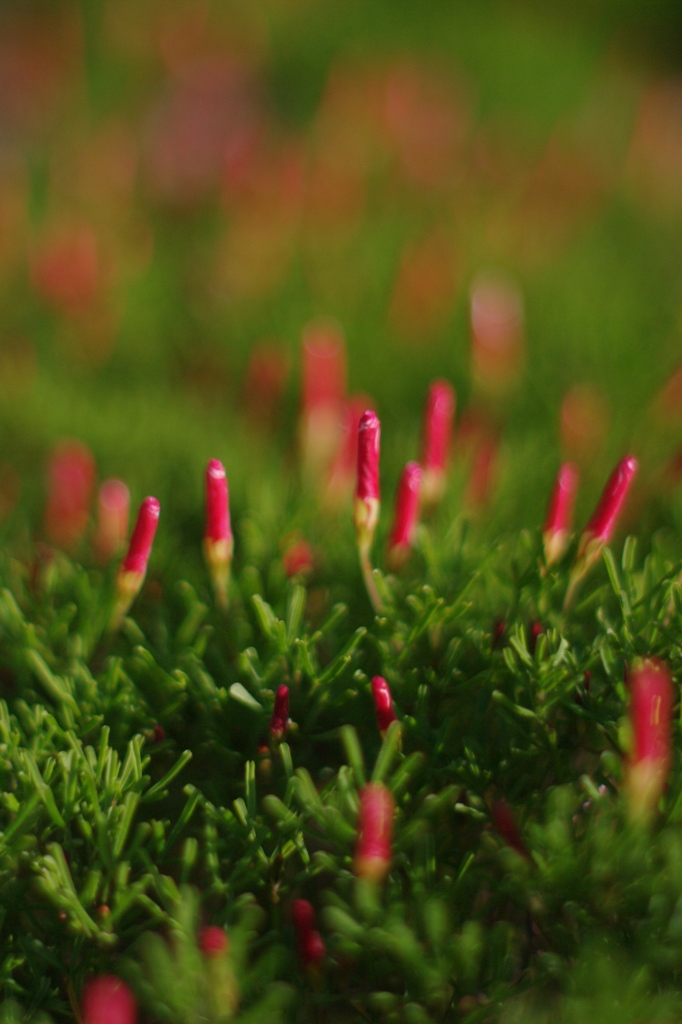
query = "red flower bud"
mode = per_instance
[
  {"x": 559, "y": 519},
  {"x": 505, "y": 823},
  {"x": 298, "y": 558},
  {"x": 599, "y": 529},
  {"x": 108, "y": 1000},
  {"x": 71, "y": 477},
  {"x": 308, "y": 939},
  {"x": 406, "y": 515},
  {"x": 279, "y": 723},
  {"x": 373, "y": 851},
  {"x": 436, "y": 436},
  {"x": 535, "y": 632},
  {"x": 497, "y": 334},
  {"x": 140, "y": 546},
  {"x": 217, "y": 506},
  {"x": 324, "y": 365},
  {"x": 67, "y": 270},
  {"x": 113, "y": 509},
  {"x": 213, "y": 941},
  {"x": 369, "y": 430},
  {"x": 134, "y": 566},
  {"x": 218, "y": 540},
  {"x": 366, "y": 506},
  {"x": 603, "y": 521},
  {"x": 324, "y": 387},
  {"x": 383, "y": 704},
  {"x": 651, "y": 705},
  {"x": 367, "y": 481},
  {"x": 343, "y": 469}
]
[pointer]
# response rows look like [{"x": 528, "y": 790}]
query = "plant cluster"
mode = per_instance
[{"x": 298, "y": 750}]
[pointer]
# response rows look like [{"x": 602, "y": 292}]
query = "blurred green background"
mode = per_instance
[{"x": 183, "y": 182}]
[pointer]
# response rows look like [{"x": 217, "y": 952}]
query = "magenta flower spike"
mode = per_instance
[
  {"x": 439, "y": 416},
  {"x": 383, "y": 704},
  {"x": 134, "y": 566},
  {"x": 218, "y": 539},
  {"x": 108, "y": 1000},
  {"x": 311, "y": 948},
  {"x": 651, "y": 706},
  {"x": 373, "y": 853},
  {"x": 366, "y": 506},
  {"x": 113, "y": 511},
  {"x": 559, "y": 521},
  {"x": 406, "y": 518},
  {"x": 279, "y": 723},
  {"x": 601, "y": 526}
]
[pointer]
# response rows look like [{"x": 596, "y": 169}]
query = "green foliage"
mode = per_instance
[{"x": 115, "y": 847}]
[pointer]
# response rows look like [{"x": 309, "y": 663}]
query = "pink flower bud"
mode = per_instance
[
  {"x": 497, "y": 334},
  {"x": 369, "y": 430},
  {"x": 108, "y": 1000},
  {"x": 342, "y": 473},
  {"x": 113, "y": 509},
  {"x": 603, "y": 521},
  {"x": 140, "y": 546},
  {"x": 383, "y": 704},
  {"x": 308, "y": 939},
  {"x": 373, "y": 852},
  {"x": 71, "y": 477},
  {"x": 213, "y": 941},
  {"x": 601, "y": 526},
  {"x": 651, "y": 706},
  {"x": 279, "y": 723},
  {"x": 559, "y": 519},
  {"x": 324, "y": 365},
  {"x": 218, "y": 540},
  {"x": 298, "y": 558},
  {"x": 367, "y": 481},
  {"x": 67, "y": 270},
  {"x": 134, "y": 566},
  {"x": 406, "y": 516},
  {"x": 505, "y": 823},
  {"x": 436, "y": 436},
  {"x": 217, "y": 507},
  {"x": 324, "y": 387}
]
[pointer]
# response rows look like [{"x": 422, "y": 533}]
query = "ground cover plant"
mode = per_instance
[{"x": 390, "y": 731}]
